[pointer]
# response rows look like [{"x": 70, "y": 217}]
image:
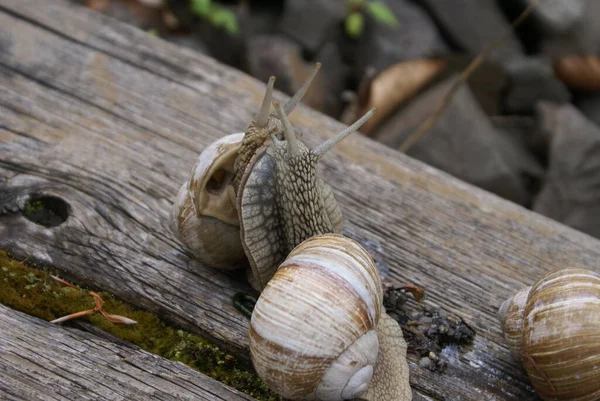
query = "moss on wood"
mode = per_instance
[{"x": 34, "y": 292}]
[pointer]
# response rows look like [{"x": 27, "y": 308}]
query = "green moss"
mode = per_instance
[
  {"x": 34, "y": 206},
  {"x": 34, "y": 292}
]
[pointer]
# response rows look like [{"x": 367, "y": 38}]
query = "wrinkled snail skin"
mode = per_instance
[
  {"x": 281, "y": 200},
  {"x": 553, "y": 327},
  {"x": 390, "y": 377}
]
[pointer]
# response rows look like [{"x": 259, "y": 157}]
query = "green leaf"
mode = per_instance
[
  {"x": 201, "y": 7},
  {"x": 354, "y": 24},
  {"x": 225, "y": 18},
  {"x": 382, "y": 13}
]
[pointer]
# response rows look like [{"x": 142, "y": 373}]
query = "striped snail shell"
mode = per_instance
[
  {"x": 312, "y": 333},
  {"x": 553, "y": 327}
]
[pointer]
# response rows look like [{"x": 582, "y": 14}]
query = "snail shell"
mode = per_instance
[
  {"x": 553, "y": 327},
  {"x": 305, "y": 342},
  {"x": 204, "y": 215}
]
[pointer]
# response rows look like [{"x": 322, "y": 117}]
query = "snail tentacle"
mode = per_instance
[
  {"x": 262, "y": 119},
  {"x": 323, "y": 148}
]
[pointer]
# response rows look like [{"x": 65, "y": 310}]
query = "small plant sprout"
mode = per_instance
[
  {"x": 216, "y": 15},
  {"x": 98, "y": 308},
  {"x": 354, "y": 23}
]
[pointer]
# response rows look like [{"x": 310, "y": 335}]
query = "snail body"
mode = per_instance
[
  {"x": 553, "y": 327},
  {"x": 315, "y": 332}
]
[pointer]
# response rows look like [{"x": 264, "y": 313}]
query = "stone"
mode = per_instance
[
  {"x": 332, "y": 79},
  {"x": 381, "y": 46},
  {"x": 571, "y": 191},
  {"x": 309, "y": 22},
  {"x": 473, "y": 25},
  {"x": 464, "y": 143},
  {"x": 582, "y": 38},
  {"x": 488, "y": 82},
  {"x": 531, "y": 79},
  {"x": 527, "y": 134},
  {"x": 268, "y": 55},
  {"x": 279, "y": 56},
  {"x": 557, "y": 16},
  {"x": 589, "y": 105}
]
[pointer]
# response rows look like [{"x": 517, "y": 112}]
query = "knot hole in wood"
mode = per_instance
[{"x": 45, "y": 210}]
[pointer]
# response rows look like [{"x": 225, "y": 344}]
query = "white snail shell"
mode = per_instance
[
  {"x": 312, "y": 333},
  {"x": 204, "y": 216},
  {"x": 553, "y": 327}
]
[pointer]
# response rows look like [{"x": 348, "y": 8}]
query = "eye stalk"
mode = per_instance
[
  {"x": 293, "y": 102},
  {"x": 293, "y": 146},
  {"x": 323, "y": 148},
  {"x": 262, "y": 119}
]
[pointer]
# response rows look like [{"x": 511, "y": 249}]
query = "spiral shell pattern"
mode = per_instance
[
  {"x": 312, "y": 333},
  {"x": 560, "y": 347}
]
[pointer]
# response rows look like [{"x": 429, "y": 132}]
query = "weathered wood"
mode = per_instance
[
  {"x": 39, "y": 360},
  {"x": 111, "y": 120}
]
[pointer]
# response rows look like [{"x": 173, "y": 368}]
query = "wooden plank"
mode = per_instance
[
  {"x": 111, "y": 120},
  {"x": 39, "y": 360}
]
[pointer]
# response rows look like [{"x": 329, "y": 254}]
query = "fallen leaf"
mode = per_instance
[
  {"x": 579, "y": 72},
  {"x": 395, "y": 85},
  {"x": 98, "y": 5}
]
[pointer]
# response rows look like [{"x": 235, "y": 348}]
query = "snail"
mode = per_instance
[
  {"x": 235, "y": 208},
  {"x": 259, "y": 194},
  {"x": 319, "y": 331},
  {"x": 553, "y": 328}
]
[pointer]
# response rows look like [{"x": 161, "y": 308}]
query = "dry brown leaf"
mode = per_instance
[
  {"x": 144, "y": 15},
  {"x": 395, "y": 85},
  {"x": 98, "y": 5},
  {"x": 579, "y": 72}
]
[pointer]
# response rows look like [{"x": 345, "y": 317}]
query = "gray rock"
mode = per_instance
[
  {"x": 276, "y": 55},
  {"x": 488, "y": 82},
  {"x": 531, "y": 80},
  {"x": 309, "y": 22},
  {"x": 589, "y": 105},
  {"x": 525, "y": 131},
  {"x": 464, "y": 143},
  {"x": 473, "y": 25},
  {"x": 557, "y": 16},
  {"x": 415, "y": 37},
  {"x": 425, "y": 363},
  {"x": 280, "y": 56},
  {"x": 582, "y": 38},
  {"x": 331, "y": 79},
  {"x": 571, "y": 191}
]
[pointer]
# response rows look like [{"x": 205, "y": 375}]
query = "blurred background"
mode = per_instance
[{"x": 524, "y": 126}]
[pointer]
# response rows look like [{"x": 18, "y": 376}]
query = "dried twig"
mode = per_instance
[
  {"x": 98, "y": 308},
  {"x": 464, "y": 76}
]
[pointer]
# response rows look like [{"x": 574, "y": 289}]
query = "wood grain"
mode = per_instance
[
  {"x": 111, "y": 119},
  {"x": 39, "y": 360}
]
